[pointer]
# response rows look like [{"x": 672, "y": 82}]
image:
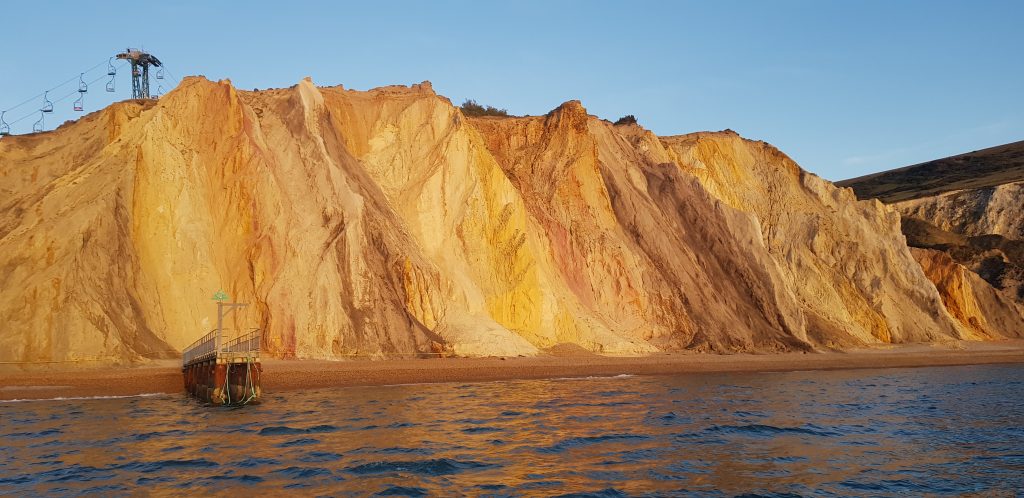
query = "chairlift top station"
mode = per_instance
[{"x": 140, "y": 62}]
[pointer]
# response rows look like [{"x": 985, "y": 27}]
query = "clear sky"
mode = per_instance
[{"x": 845, "y": 88}]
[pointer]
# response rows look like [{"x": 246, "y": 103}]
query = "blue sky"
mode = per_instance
[{"x": 845, "y": 88}]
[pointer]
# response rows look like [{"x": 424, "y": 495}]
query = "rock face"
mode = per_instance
[
  {"x": 989, "y": 210},
  {"x": 385, "y": 223},
  {"x": 845, "y": 261},
  {"x": 983, "y": 311},
  {"x": 968, "y": 206},
  {"x": 996, "y": 259}
]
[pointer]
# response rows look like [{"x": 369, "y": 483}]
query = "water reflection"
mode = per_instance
[{"x": 933, "y": 431}]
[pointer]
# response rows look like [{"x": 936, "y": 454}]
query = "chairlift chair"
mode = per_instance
[
  {"x": 80, "y": 103},
  {"x": 5, "y": 129},
  {"x": 111, "y": 70},
  {"x": 82, "y": 86},
  {"x": 38, "y": 125},
  {"x": 47, "y": 105},
  {"x": 160, "y": 74},
  {"x": 110, "y": 84}
]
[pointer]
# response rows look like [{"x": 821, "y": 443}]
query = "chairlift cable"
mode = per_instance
[
  {"x": 70, "y": 94},
  {"x": 171, "y": 74},
  {"x": 40, "y": 94},
  {"x": 57, "y": 101}
]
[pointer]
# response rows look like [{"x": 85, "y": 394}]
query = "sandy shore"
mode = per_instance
[{"x": 282, "y": 375}]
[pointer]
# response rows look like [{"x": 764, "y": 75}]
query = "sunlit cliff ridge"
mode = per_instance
[{"x": 386, "y": 222}]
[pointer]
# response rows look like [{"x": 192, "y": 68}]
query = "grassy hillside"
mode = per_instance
[{"x": 978, "y": 169}]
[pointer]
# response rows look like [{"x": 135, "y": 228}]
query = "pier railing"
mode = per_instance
[
  {"x": 247, "y": 343},
  {"x": 203, "y": 349},
  {"x": 211, "y": 345}
]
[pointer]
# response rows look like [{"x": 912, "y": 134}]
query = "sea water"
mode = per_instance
[{"x": 935, "y": 431}]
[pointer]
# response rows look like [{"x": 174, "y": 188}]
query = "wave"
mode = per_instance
[
  {"x": 403, "y": 491},
  {"x": 283, "y": 430},
  {"x": 770, "y": 430},
  {"x": 169, "y": 465},
  {"x": 604, "y": 493},
  {"x": 577, "y": 442},
  {"x": 433, "y": 467},
  {"x": 596, "y": 377}
]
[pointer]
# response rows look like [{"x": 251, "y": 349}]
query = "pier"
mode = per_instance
[{"x": 224, "y": 372}]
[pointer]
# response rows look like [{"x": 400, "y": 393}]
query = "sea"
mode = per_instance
[{"x": 948, "y": 431}]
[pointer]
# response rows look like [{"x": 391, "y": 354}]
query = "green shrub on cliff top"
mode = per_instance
[{"x": 471, "y": 108}]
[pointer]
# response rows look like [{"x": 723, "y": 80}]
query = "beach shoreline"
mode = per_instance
[{"x": 289, "y": 375}]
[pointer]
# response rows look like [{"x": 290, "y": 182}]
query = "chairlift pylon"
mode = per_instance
[
  {"x": 111, "y": 70},
  {"x": 47, "y": 105},
  {"x": 80, "y": 103},
  {"x": 110, "y": 84},
  {"x": 82, "y": 86},
  {"x": 38, "y": 125},
  {"x": 5, "y": 129}
]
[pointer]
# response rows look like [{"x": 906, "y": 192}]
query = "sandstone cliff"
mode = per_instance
[
  {"x": 987, "y": 210},
  {"x": 982, "y": 310},
  {"x": 968, "y": 206},
  {"x": 845, "y": 261},
  {"x": 385, "y": 222},
  {"x": 996, "y": 259}
]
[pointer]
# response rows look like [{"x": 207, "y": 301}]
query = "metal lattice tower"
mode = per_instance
[{"x": 140, "y": 61}]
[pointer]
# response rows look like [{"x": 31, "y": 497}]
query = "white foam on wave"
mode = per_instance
[
  {"x": 597, "y": 377},
  {"x": 82, "y": 398}
]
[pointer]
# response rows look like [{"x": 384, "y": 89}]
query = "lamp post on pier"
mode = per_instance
[{"x": 223, "y": 308}]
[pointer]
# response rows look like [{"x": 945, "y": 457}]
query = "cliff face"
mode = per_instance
[
  {"x": 968, "y": 206},
  {"x": 990, "y": 223},
  {"x": 386, "y": 222},
  {"x": 982, "y": 311},
  {"x": 996, "y": 259},
  {"x": 845, "y": 261},
  {"x": 639, "y": 245},
  {"x": 987, "y": 210}
]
